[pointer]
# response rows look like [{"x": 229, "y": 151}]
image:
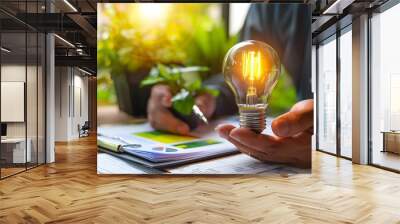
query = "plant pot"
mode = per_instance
[{"x": 131, "y": 98}]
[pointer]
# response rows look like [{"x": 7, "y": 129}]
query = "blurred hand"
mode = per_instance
[
  {"x": 162, "y": 119},
  {"x": 291, "y": 143},
  {"x": 206, "y": 103}
]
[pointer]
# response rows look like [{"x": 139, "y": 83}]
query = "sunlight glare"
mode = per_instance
[{"x": 153, "y": 11}]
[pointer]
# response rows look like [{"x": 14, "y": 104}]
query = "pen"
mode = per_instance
[
  {"x": 120, "y": 148},
  {"x": 199, "y": 114}
]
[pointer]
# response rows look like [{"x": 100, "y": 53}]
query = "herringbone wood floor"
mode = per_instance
[{"x": 70, "y": 191}]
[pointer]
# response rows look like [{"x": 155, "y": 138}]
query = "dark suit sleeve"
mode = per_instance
[{"x": 285, "y": 27}]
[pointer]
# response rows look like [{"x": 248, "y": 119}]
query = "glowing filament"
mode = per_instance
[{"x": 251, "y": 65}]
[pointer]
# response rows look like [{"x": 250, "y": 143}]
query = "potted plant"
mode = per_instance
[{"x": 128, "y": 48}]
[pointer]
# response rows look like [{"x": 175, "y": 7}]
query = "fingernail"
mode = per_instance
[
  {"x": 221, "y": 133},
  {"x": 283, "y": 128}
]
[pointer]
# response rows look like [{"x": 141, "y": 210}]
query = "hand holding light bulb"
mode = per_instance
[
  {"x": 251, "y": 69},
  {"x": 290, "y": 144}
]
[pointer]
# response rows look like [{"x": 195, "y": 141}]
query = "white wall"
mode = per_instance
[
  {"x": 62, "y": 81},
  {"x": 33, "y": 126},
  {"x": 80, "y": 111},
  {"x": 14, "y": 73},
  {"x": 71, "y": 102}
]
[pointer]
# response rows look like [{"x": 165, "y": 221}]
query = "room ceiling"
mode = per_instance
[
  {"x": 73, "y": 20},
  {"x": 76, "y": 22}
]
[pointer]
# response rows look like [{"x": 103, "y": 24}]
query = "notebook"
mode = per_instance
[{"x": 142, "y": 144}]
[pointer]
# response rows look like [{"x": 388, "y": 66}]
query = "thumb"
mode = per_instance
[{"x": 298, "y": 119}]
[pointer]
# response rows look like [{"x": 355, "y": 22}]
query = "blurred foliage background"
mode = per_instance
[{"x": 136, "y": 37}]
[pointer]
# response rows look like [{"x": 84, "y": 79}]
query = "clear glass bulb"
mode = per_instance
[{"x": 251, "y": 69}]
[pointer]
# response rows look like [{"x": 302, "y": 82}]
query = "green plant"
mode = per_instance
[
  {"x": 284, "y": 95},
  {"x": 188, "y": 36},
  {"x": 105, "y": 90},
  {"x": 209, "y": 43},
  {"x": 185, "y": 84},
  {"x": 128, "y": 43}
]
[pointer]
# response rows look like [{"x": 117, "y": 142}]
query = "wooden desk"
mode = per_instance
[{"x": 232, "y": 164}]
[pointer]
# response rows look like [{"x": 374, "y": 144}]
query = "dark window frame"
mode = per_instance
[
  {"x": 31, "y": 30},
  {"x": 340, "y": 31}
]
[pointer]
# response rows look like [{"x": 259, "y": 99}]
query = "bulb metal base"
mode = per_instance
[{"x": 252, "y": 118}]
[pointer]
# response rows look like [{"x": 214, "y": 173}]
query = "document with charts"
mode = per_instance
[{"x": 143, "y": 141}]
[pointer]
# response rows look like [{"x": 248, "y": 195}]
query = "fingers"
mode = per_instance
[
  {"x": 206, "y": 103},
  {"x": 264, "y": 143},
  {"x": 295, "y": 151},
  {"x": 262, "y": 156},
  {"x": 163, "y": 119},
  {"x": 162, "y": 94},
  {"x": 248, "y": 138},
  {"x": 224, "y": 130},
  {"x": 298, "y": 119},
  {"x": 159, "y": 115}
]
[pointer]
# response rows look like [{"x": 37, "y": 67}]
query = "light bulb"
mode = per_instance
[{"x": 251, "y": 69}]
